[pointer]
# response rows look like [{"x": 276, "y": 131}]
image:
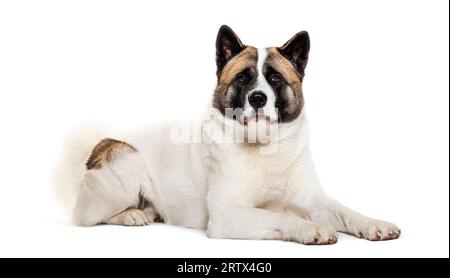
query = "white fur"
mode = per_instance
[{"x": 231, "y": 190}]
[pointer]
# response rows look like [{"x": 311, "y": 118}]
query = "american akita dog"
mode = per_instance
[{"x": 244, "y": 171}]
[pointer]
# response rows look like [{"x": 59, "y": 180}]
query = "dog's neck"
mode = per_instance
[{"x": 221, "y": 130}]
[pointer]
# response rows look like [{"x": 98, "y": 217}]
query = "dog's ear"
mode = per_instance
[
  {"x": 296, "y": 50},
  {"x": 228, "y": 45}
]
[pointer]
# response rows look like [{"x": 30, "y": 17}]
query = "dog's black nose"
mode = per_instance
[{"x": 257, "y": 99}]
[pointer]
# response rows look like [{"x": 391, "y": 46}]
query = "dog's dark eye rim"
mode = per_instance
[
  {"x": 244, "y": 76},
  {"x": 241, "y": 78},
  {"x": 275, "y": 78}
]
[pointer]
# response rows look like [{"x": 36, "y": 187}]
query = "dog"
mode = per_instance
[{"x": 244, "y": 171}]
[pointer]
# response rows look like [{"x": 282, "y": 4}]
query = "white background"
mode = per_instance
[{"x": 376, "y": 92}]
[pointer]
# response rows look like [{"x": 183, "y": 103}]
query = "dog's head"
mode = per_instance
[{"x": 260, "y": 84}]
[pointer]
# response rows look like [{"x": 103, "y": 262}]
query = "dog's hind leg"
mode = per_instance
[{"x": 116, "y": 187}]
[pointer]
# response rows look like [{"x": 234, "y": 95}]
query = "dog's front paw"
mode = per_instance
[
  {"x": 319, "y": 235},
  {"x": 130, "y": 217},
  {"x": 377, "y": 230}
]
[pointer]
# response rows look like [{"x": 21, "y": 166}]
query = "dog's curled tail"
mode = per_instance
[{"x": 71, "y": 167}]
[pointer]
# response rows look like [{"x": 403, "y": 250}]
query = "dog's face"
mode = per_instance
[{"x": 260, "y": 84}]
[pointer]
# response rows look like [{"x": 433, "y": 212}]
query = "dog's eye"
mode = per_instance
[
  {"x": 275, "y": 79},
  {"x": 241, "y": 78}
]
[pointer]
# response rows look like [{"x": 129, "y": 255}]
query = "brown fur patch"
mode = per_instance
[
  {"x": 293, "y": 103},
  {"x": 283, "y": 66},
  {"x": 104, "y": 152},
  {"x": 246, "y": 58}
]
